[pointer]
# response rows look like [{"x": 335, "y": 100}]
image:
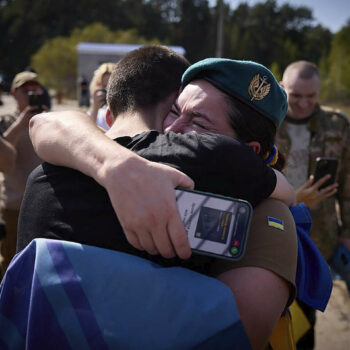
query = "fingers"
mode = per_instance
[
  {"x": 178, "y": 236},
  {"x": 132, "y": 239},
  {"x": 147, "y": 243},
  {"x": 329, "y": 191},
  {"x": 309, "y": 182},
  {"x": 149, "y": 214},
  {"x": 184, "y": 181},
  {"x": 321, "y": 181},
  {"x": 99, "y": 98},
  {"x": 163, "y": 243}
]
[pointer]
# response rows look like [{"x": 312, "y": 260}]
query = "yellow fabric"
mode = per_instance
[
  {"x": 282, "y": 337},
  {"x": 300, "y": 323}
]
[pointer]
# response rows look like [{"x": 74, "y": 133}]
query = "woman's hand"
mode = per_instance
[{"x": 311, "y": 194}]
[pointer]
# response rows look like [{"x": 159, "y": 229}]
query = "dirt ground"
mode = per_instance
[{"x": 332, "y": 326}]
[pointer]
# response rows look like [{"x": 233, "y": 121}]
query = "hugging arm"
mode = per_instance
[
  {"x": 141, "y": 192},
  {"x": 261, "y": 297},
  {"x": 283, "y": 190},
  {"x": 263, "y": 281}
]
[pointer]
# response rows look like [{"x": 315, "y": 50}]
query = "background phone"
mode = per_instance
[
  {"x": 326, "y": 166},
  {"x": 36, "y": 99},
  {"x": 216, "y": 225}
]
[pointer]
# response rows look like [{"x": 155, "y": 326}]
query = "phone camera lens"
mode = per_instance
[{"x": 242, "y": 210}]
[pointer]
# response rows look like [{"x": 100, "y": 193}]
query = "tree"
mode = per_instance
[
  {"x": 194, "y": 28},
  {"x": 276, "y": 71},
  {"x": 337, "y": 85},
  {"x": 56, "y": 61},
  {"x": 26, "y": 25},
  {"x": 268, "y": 33}
]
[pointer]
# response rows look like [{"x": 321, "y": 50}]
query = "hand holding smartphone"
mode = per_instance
[
  {"x": 36, "y": 99},
  {"x": 216, "y": 225}
]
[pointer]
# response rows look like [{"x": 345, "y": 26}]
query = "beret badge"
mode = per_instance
[{"x": 258, "y": 88}]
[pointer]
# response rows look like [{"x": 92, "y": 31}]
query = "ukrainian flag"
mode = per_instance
[{"x": 273, "y": 222}]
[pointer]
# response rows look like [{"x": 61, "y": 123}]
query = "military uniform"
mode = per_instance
[
  {"x": 5, "y": 122},
  {"x": 329, "y": 137},
  {"x": 14, "y": 183}
]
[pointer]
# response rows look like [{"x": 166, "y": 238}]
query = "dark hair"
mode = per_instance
[
  {"x": 144, "y": 77},
  {"x": 250, "y": 125}
]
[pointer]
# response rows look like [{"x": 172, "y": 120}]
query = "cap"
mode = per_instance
[
  {"x": 250, "y": 82},
  {"x": 22, "y": 78}
]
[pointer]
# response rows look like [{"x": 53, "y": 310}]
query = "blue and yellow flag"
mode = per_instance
[
  {"x": 273, "y": 222},
  {"x": 63, "y": 295}
]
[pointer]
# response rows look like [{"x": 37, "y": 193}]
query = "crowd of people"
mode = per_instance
[{"x": 232, "y": 129}]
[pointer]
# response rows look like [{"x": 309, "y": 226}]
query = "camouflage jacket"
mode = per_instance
[
  {"x": 330, "y": 137},
  {"x": 5, "y": 122}
]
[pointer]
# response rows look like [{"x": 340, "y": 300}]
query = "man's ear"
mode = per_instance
[
  {"x": 255, "y": 145},
  {"x": 109, "y": 117}
]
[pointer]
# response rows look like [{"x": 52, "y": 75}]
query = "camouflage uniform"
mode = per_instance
[
  {"x": 330, "y": 137},
  {"x": 5, "y": 122}
]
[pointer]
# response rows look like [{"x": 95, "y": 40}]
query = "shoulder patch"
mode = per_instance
[{"x": 276, "y": 223}]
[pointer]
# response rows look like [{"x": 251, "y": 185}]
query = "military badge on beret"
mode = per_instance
[{"x": 258, "y": 88}]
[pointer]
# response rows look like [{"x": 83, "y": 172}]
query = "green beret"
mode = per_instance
[{"x": 250, "y": 82}]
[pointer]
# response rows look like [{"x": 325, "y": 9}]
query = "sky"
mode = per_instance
[{"x": 332, "y": 14}]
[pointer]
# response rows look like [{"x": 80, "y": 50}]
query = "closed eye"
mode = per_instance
[{"x": 175, "y": 109}]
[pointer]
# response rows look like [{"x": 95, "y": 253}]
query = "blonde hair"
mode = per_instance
[{"x": 98, "y": 75}]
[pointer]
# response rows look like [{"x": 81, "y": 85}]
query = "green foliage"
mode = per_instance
[
  {"x": 276, "y": 71},
  {"x": 337, "y": 84},
  {"x": 194, "y": 29},
  {"x": 56, "y": 61},
  {"x": 266, "y": 32}
]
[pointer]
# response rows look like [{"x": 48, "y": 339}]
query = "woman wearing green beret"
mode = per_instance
[{"x": 249, "y": 105}]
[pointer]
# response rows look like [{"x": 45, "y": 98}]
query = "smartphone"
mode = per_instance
[
  {"x": 216, "y": 225},
  {"x": 36, "y": 99},
  {"x": 324, "y": 166},
  {"x": 104, "y": 93}
]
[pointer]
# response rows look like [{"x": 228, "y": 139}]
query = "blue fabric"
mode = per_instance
[
  {"x": 313, "y": 277},
  {"x": 64, "y": 295}
]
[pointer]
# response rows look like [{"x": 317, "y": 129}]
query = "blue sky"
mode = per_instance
[{"x": 332, "y": 14}]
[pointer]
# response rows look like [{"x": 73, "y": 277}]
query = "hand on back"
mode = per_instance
[{"x": 142, "y": 195}]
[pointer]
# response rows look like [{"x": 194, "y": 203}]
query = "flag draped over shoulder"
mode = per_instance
[
  {"x": 64, "y": 295},
  {"x": 313, "y": 278}
]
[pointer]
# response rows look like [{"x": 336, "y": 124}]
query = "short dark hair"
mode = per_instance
[
  {"x": 305, "y": 69},
  {"x": 250, "y": 125},
  {"x": 145, "y": 77}
]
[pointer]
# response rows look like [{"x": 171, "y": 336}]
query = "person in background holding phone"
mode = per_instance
[
  {"x": 98, "y": 85},
  {"x": 7, "y": 163},
  {"x": 310, "y": 131},
  {"x": 45, "y": 97},
  {"x": 15, "y": 130}
]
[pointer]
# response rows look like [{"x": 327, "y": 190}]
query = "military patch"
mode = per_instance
[
  {"x": 258, "y": 88},
  {"x": 273, "y": 222}
]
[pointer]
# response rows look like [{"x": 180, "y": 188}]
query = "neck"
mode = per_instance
[
  {"x": 290, "y": 119},
  {"x": 131, "y": 124}
]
